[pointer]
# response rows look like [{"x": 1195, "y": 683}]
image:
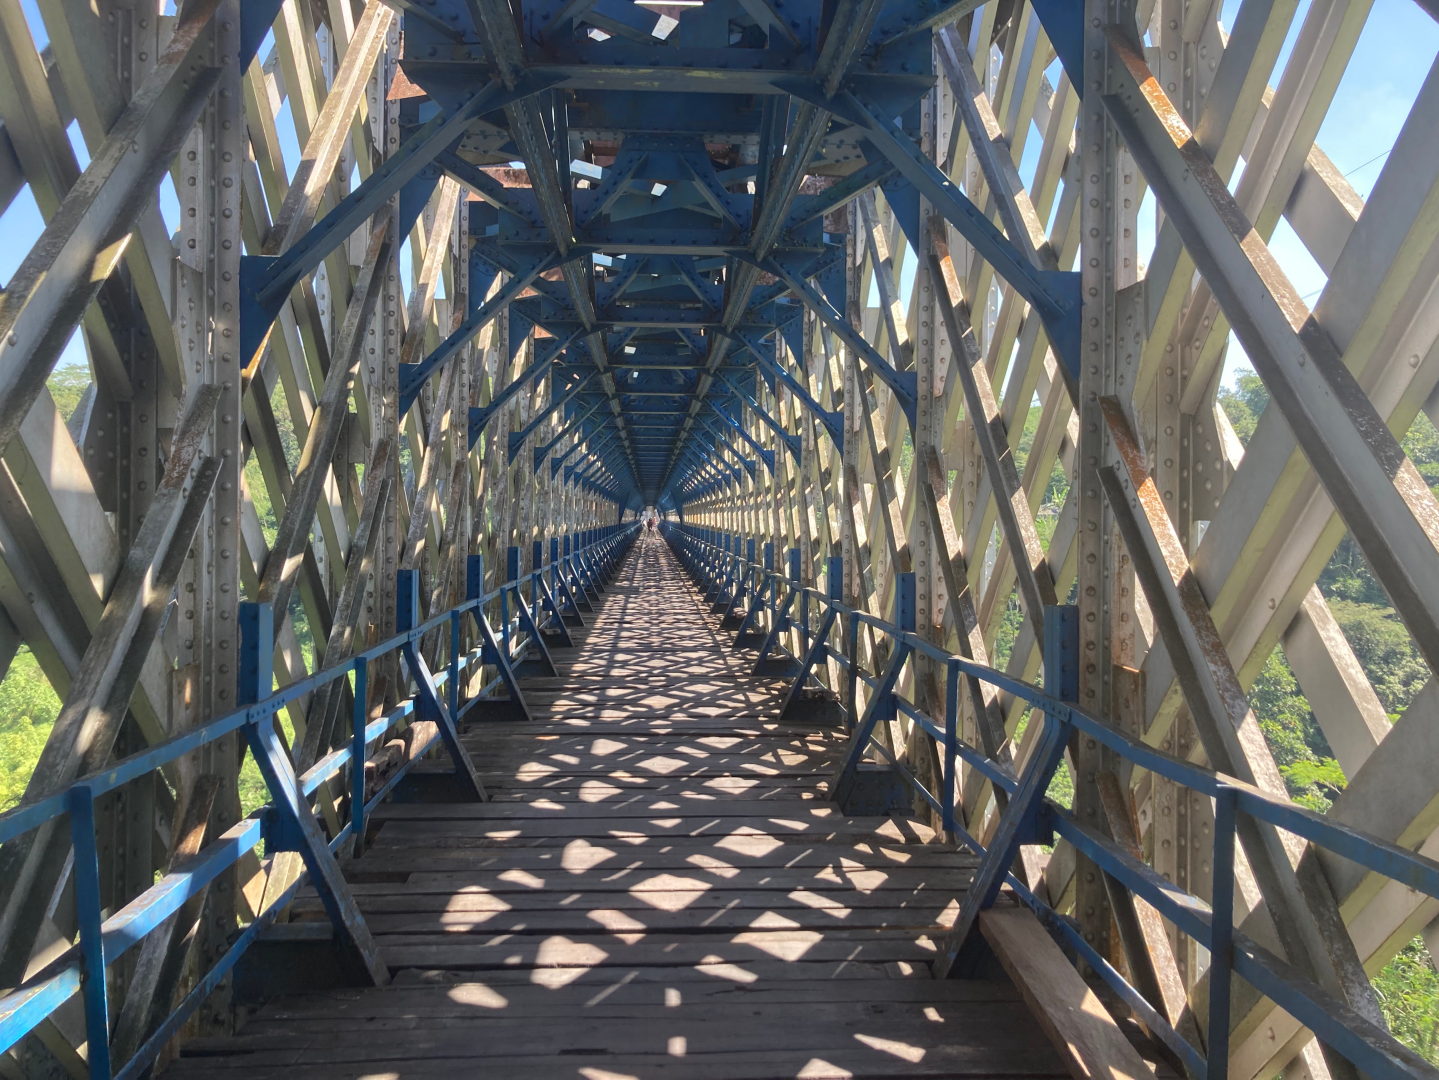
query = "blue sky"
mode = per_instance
[{"x": 1394, "y": 54}]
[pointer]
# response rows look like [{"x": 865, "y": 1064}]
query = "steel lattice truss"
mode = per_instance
[{"x": 539, "y": 266}]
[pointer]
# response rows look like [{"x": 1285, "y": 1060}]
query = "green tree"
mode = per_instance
[
  {"x": 67, "y": 385},
  {"x": 1244, "y": 402},
  {"x": 28, "y": 708},
  {"x": 1385, "y": 651},
  {"x": 1408, "y": 992},
  {"x": 1300, "y": 750}
]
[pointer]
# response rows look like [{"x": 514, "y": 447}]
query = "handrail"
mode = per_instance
[
  {"x": 286, "y": 823},
  {"x": 1030, "y": 817}
]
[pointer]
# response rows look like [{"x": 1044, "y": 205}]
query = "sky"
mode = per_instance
[
  {"x": 1394, "y": 54},
  {"x": 1393, "y": 57}
]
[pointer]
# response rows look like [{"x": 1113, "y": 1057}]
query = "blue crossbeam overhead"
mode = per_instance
[{"x": 665, "y": 201}]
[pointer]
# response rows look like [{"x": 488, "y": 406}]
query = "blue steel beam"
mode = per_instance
[
  {"x": 777, "y": 187},
  {"x": 265, "y": 281},
  {"x": 792, "y": 442},
  {"x": 903, "y": 384},
  {"x": 833, "y": 422},
  {"x": 481, "y": 415},
  {"x": 517, "y": 438},
  {"x": 542, "y": 451},
  {"x": 720, "y": 441},
  {"x": 767, "y": 456},
  {"x": 557, "y": 463},
  {"x": 413, "y": 376},
  {"x": 1054, "y": 294}
]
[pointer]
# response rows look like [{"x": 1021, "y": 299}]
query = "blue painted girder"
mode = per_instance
[{"x": 660, "y": 207}]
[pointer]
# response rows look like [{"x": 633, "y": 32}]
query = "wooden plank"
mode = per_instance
[
  {"x": 542, "y": 809},
  {"x": 715, "y": 997},
  {"x": 501, "y": 880},
  {"x": 643, "y": 828},
  {"x": 669, "y": 883},
  {"x": 1082, "y": 1031}
]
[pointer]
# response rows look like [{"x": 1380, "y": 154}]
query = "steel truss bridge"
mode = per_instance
[{"x": 405, "y": 318}]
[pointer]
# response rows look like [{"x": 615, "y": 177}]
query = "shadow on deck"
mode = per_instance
[{"x": 659, "y": 888}]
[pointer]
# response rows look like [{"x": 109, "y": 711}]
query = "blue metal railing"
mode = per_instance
[
  {"x": 1028, "y": 816},
  {"x": 286, "y": 822}
]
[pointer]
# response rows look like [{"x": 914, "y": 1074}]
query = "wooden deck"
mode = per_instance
[{"x": 658, "y": 889}]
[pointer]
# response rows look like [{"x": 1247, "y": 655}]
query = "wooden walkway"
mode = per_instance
[{"x": 658, "y": 890}]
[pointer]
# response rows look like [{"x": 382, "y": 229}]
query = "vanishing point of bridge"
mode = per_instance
[{"x": 713, "y": 539}]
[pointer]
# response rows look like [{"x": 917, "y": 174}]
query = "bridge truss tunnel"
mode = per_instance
[{"x": 399, "y": 317}]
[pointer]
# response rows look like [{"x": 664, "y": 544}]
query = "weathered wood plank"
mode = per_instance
[
  {"x": 660, "y": 889},
  {"x": 1082, "y": 1031}
]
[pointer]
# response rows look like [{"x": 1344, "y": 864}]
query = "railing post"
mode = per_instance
[
  {"x": 453, "y": 678},
  {"x": 1061, "y": 652},
  {"x": 296, "y": 823},
  {"x": 1019, "y": 823},
  {"x": 94, "y": 990},
  {"x": 407, "y": 600},
  {"x": 769, "y": 578},
  {"x": 358, "y": 747},
  {"x": 904, "y": 601},
  {"x": 257, "y": 653},
  {"x": 797, "y": 584},
  {"x": 951, "y": 740},
  {"x": 512, "y": 573},
  {"x": 1221, "y": 934},
  {"x": 851, "y": 694},
  {"x": 474, "y": 577}
]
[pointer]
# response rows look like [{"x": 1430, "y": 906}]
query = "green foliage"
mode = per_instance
[
  {"x": 1055, "y": 494},
  {"x": 1300, "y": 750},
  {"x": 1008, "y": 632},
  {"x": 1408, "y": 992},
  {"x": 1385, "y": 651},
  {"x": 1315, "y": 784},
  {"x": 28, "y": 707},
  {"x": 67, "y": 385},
  {"x": 1422, "y": 446},
  {"x": 1244, "y": 402},
  {"x": 1347, "y": 577}
]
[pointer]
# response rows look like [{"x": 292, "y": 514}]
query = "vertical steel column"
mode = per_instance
[
  {"x": 208, "y": 311},
  {"x": 1100, "y": 221}
]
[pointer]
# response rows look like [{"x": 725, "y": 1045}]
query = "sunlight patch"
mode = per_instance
[
  {"x": 581, "y": 855},
  {"x": 669, "y": 892},
  {"x": 662, "y": 765},
  {"x": 521, "y": 877},
  {"x": 820, "y": 902},
  {"x": 614, "y": 920},
  {"x": 593, "y": 791},
  {"x": 773, "y": 920},
  {"x": 604, "y": 747},
  {"x": 478, "y": 994},
  {"x": 819, "y": 1069},
  {"x": 912, "y": 1054},
  {"x": 731, "y": 783},
  {"x": 755, "y": 845},
  {"x": 491, "y": 902},
  {"x": 720, "y": 969},
  {"x": 715, "y": 866},
  {"x": 791, "y": 947}
]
